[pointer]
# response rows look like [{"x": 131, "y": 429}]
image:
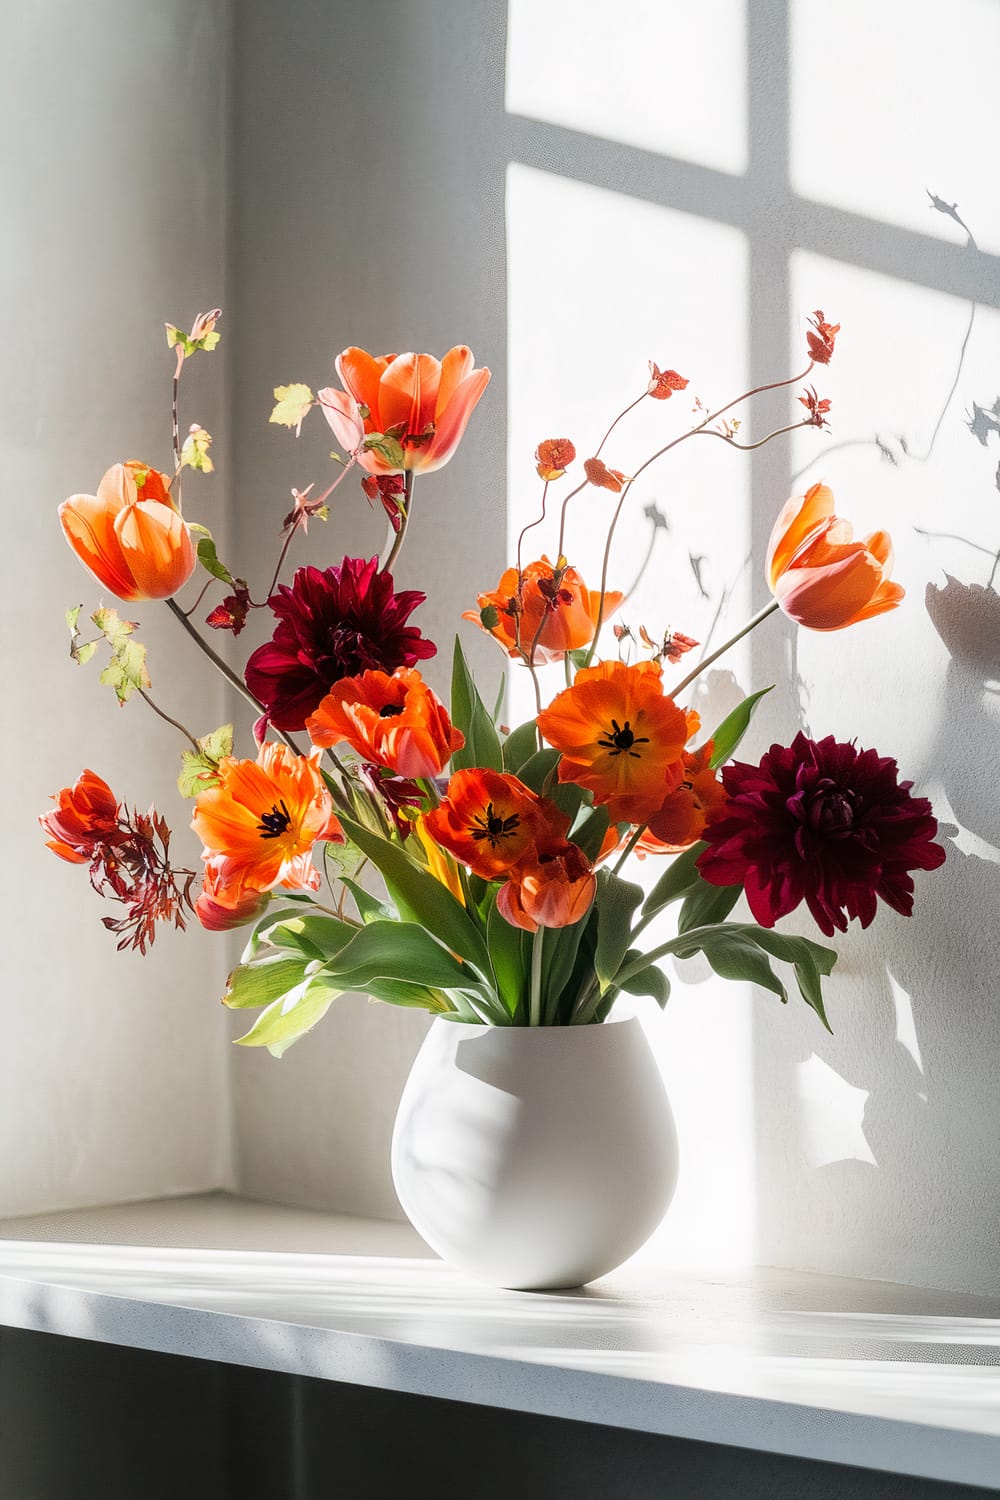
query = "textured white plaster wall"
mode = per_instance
[
  {"x": 684, "y": 187},
  {"x": 113, "y": 1079}
]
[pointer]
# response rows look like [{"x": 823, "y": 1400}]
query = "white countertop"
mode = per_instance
[{"x": 887, "y": 1377}]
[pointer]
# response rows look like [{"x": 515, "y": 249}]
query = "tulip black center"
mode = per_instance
[
  {"x": 492, "y": 827},
  {"x": 276, "y": 822},
  {"x": 620, "y": 740},
  {"x": 390, "y": 710}
]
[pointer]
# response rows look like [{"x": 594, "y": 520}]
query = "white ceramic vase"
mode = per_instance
[{"x": 535, "y": 1157}]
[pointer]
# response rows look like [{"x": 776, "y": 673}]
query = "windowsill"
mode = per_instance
[{"x": 887, "y": 1377}]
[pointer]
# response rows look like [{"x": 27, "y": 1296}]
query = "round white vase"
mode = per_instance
[{"x": 535, "y": 1157}]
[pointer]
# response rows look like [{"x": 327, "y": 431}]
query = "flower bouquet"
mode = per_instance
[{"x": 502, "y": 900}]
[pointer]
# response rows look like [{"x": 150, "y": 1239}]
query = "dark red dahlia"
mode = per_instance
[
  {"x": 825, "y": 823},
  {"x": 333, "y": 624}
]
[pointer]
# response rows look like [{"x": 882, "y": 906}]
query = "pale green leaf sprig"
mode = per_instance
[
  {"x": 126, "y": 671},
  {"x": 200, "y": 769}
]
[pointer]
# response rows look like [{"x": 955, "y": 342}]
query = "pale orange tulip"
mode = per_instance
[
  {"x": 129, "y": 535},
  {"x": 424, "y": 403},
  {"x": 819, "y": 574}
]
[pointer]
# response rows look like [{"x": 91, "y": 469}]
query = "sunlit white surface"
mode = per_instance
[
  {"x": 831, "y": 1112},
  {"x": 890, "y": 1377},
  {"x": 619, "y": 283},
  {"x": 635, "y": 72},
  {"x": 892, "y": 100}
]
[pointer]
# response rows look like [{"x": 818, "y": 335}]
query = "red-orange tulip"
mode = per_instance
[
  {"x": 391, "y": 721},
  {"x": 129, "y": 535},
  {"x": 424, "y": 402},
  {"x": 688, "y": 809},
  {"x": 559, "y": 619},
  {"x": 85, "y": 816},
  {"x": 620, "y": 736},
  {"x": 490, "y": 820},
  {"x": 554, "y": 887},
  {"x": 820, "y": 576},
  {"x": 225, "y": 904}
]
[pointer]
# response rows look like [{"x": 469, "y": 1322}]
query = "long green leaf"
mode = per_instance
[
  {"x": 651, "y": 981},
  {"x": 617, "y": 901},
  {"x": 314, "y": 934},
  {"x": 677, "y": 880},
  {"x": 705, "y": 904},
  {"x": 510, "y": 952},
  {"x": 539, "y": 769},
  {"x": 734, "y": 956},
  {"x": 292, "y": 1016},
  {"x": 421, "y": 898},
  {"x": 397, "y": 950},
  {"x": 733, "y": 727},
  {"x": 262, "y": 981},
  {"x": 470, "y": 715},
  {"x": 409, "y": 996},
  {"x": 519, "y": 746},
  {"x": 370, "y": 908}
]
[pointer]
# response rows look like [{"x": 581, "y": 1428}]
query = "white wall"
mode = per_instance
[
  {"x": 683, "y": 186},
  {"x": 112, "y": 1073},
  {"x": 574, "y": 192}
]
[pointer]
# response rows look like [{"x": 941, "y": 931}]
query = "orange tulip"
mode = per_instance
[
  {"x": 553, "y": 887},
  {"x": 129, "y": 535},
  {"x": 686, "y": 811},
  {"x": 424, "y": 402},
  {"x": 395, "y": 722},
  {"x": 263, "y": 819},
  {"x": 490, "y": 820},
  {"x": 85, "y": 816},
  {"x": 620, "y": 736},
  {"x": 820, "y": 576},
  {"x": 559, "y": 619},
  {"x": 225, "y": 904}
]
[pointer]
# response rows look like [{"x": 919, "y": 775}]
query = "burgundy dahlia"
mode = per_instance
[
  {"x": 825, "y": 823},
  {"x": 332, "y": 624}
]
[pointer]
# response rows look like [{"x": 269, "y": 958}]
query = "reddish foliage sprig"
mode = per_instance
[{"x": 136, "y": 871}]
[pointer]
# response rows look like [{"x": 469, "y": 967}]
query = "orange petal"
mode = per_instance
[
  {"x": 800, "y": 522},
  {"x": 879, "y": 544},
  {"x": 831, "y": 597},
  {"x": 157, "y": 548},
  {"x": 885, "y": 597},
  {"x": 360, "y": 374},
  {"x": 88, "y": 526},
  {"x": 408, "y": 392},
  {"x": 451, "y": 423},
  {"x": 457, "y": 364}
]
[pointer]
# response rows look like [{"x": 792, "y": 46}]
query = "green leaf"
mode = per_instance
[
  {"x": 80, "y": 654},
  {"x": 651, "y": 981},
  {"x": 734, "y": 956},
  {"x": 287, "y": 1019},
  {"x": 468, "y": 713},
  {"x": 270, "y": 919},
  {"x": 680, "y": 876},
  {"x": 498, "y": 700},
  {"x": 519, "y": 746},
  {"x": 589, "y": 829},
  {"x": 812, "y": 963},
  {"x": 733, "y": 727},
  {"x": 370, "y": 908},
  {"x": 262, "y": 981},
  {"x": 176, "y": 336},
  {"x": 579, "y": 658},
  {"x": 411, "y": 996},
  {"x": 396, "y": 950},
  {"x": 292, "y": 404},
  {"x": 126, "y": 671},
  {"x": 510, "y": 952},
  {"x": 706, "y": 904},
  {"x": 200, "y": 770},
  {"x": 617, "y": 901},
  {"x": 562, "y": 944},
  {"x": 209, "y": 560},
  {"x": 538, "y": 770},
  {"x": 420, "y": 897},
  {"x": 313, "y": 934},
  {"x": 194, "y": 453},
  {"x": 386, "y": 446}
]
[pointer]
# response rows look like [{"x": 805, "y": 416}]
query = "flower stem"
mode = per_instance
[
  {"x": 707, "y": 661},
  {"x": 535, "y": 993},
  {"x": 175, "y": 723},
  {"x": 226, "y": 671},
  {"x": 758, "y": 390},
  {"x": 400, "y": 536},
  {"x": 633, "y": 840},
  {"x": 631, "y": 407}
]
